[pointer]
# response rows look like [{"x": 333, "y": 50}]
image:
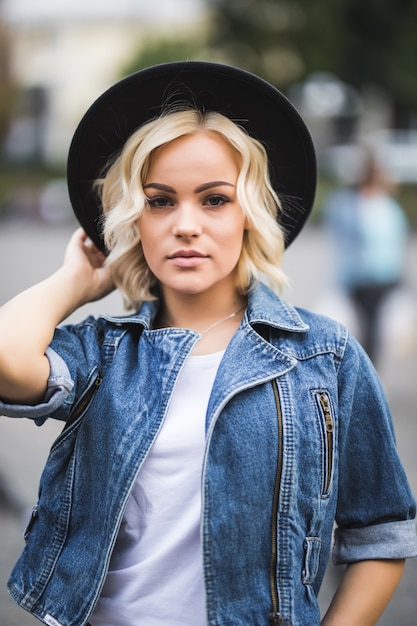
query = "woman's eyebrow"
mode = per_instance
[
  {"x": 160, "y": 187},
  {"x": 199, "y": 189},
  {"x": 215, "y": 183}
]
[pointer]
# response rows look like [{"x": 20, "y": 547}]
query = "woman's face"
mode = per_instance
[{"x": 193, "y": 226}]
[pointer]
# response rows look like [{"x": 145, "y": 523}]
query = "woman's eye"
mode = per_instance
[
  {"x": 159, "y": 202},
  {"x": 216, "y": 200}
]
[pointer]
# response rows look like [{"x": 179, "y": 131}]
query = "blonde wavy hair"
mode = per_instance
[{"x": 123, "y": 200}]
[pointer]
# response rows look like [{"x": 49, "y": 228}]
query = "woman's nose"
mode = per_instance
[{"x": 186, "y": 222}]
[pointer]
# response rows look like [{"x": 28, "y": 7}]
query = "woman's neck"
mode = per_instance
[{"x": 215, "y": 319}]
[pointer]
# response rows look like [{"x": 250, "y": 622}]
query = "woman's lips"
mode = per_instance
[{"x": 187, "y": 258}]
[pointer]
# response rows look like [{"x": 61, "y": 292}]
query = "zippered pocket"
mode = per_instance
[
  {"x": 33, "y": 517},
  {"x": 327, "y": 427},
  {"x": 84, "y": 400}
]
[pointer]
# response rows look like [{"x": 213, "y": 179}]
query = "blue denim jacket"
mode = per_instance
[{"x": 298, "y": 435}]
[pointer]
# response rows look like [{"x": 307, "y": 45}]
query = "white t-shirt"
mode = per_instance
[{"x": 156, "y": 575}]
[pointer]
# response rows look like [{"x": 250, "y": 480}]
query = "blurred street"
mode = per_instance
[{"x": 29, "y": 252}]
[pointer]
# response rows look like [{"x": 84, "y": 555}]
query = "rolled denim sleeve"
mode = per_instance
[
  {"x": 394, "y": 540},
  {"x": 59, "y": 387},
  {"x": 376, "y": 508}
]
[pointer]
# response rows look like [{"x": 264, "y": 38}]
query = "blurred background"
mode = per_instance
[{"x": 349, "y": 68}]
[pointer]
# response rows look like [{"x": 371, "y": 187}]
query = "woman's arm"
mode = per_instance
[
  {"x": 28, "y": 321},
  {"x": 364, "y": 592}
]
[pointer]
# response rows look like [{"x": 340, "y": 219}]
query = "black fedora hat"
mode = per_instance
[{"x": 253, "y": 103}]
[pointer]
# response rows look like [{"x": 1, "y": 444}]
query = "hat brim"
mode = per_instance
[{"x": 253, "y": 103}]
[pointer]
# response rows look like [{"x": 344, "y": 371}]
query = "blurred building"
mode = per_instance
[{"x": 65, "y": 54}]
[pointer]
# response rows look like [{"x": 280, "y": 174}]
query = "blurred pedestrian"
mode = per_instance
[
  {"x": 213, "y": 437},
  {"x": 369, "y": 232}
]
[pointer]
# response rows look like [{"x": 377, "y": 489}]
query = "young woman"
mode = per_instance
[{"x": 213, "y": 437}]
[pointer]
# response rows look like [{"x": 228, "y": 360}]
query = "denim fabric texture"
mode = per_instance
[{"x": 299, "y": 435}]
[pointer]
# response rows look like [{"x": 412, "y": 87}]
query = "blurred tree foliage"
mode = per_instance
[
  {"x": 364, "y": 43},
  {"x": 164, "y": 50},
  {"x": 7, "y": 87},
  {"x": 260, "y": 35}
]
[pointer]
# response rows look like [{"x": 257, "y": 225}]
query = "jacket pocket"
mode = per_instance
[
  {"x": 84, "y": 401},
  {"x": 47, "y": 530},
  {"x": 33, "y": 517},
  {"x": 327, "y": 428}
]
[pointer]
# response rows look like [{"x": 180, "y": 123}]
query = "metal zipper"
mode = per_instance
[
  {"x": 275, "y": 618},
  {"x": 84, "y": 401},
  {"x": 329, "y": 430}
]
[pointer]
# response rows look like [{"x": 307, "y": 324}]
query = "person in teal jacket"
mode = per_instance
[
  {"x": 368, "y": 233},
  {"x": 213, "y": 437}
]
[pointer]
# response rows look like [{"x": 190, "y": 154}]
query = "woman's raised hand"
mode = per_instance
[{"x": 84, "y": 259}]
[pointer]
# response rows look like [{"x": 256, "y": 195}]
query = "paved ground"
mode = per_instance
[{"x": 28, "y": 252}]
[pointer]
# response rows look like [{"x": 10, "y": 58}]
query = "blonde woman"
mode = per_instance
[{"x": 214, "y": 436}]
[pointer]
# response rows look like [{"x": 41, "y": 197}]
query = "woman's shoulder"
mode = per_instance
[
  {"x": 321, "y": 321},
  {"x": 324, "y": 334},
  {"x": 298, "y": 324}
]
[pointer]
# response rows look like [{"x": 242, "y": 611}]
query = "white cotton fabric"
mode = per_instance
[{"x": 156, "y": 574}]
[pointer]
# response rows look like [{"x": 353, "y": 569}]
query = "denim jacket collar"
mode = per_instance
[{"x": 263, "y": 308}]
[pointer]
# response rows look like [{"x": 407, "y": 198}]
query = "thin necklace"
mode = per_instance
[
  {"x": 224, "y": 319},
  {"x": 228, "y": 317}
]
